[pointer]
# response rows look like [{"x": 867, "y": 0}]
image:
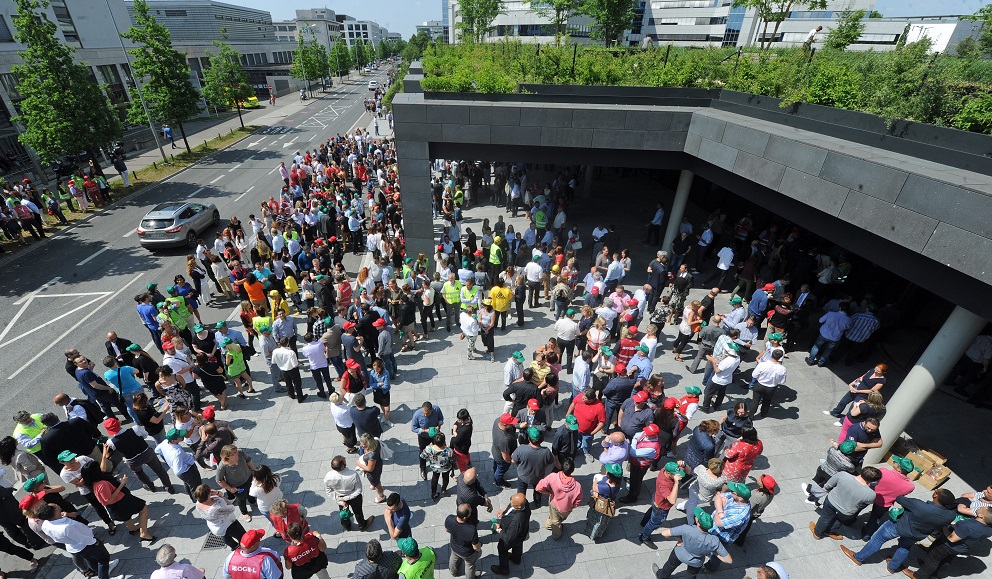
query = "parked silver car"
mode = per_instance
[{"x": 176, "y": 223}]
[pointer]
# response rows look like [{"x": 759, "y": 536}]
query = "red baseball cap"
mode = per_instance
[
  {"x": 652, "y": 429},
  {"x": 508, "y": 419},
  {"x": 209, "y": 412},
  {"x": 533, "y": 404},
  {"x": 112, "y": 426},
  {"x": 334, "y": 238},
  {"x": 167, "y": 345},
  {"x": 768, "y": 481},
  {"x": 594, "y": 290},
  {"x": 768, "y": 287},
  {"x": 30, "y": 500},
  {"x": 348, "y": 325},
  {"x": 640, "y": 397},
  {"x": 670, "y": 403},
  {"x": 477, "y": 253},
  {"x": 380, "y": 323},
  {"x": 351, "y": 363},
  {"x": 251, "y": 538},
  {"x": 632, "y": 329},
  {"x": 620, "y": 367},
  {"x": 632, "y": 302}
]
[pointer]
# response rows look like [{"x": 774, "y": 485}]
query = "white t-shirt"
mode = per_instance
[
  {"x": 725, "y": 370},
  {"x": 770, "y": 373},
  {"x": 265, "y": 499},
  {"x": 725, "y": 258}
]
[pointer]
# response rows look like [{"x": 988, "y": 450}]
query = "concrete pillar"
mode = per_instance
[
  {"x": 586, "y": 191},
  {"x": 678, "y": 208},
  {"x": 946, "y": 348}
]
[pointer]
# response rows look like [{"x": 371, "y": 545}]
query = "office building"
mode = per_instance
[
  {"x": 366, "y": 30},
  {"x": 436, "y": 30}
]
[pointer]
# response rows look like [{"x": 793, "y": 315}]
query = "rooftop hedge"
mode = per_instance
[{"x": 907, "y": 83}]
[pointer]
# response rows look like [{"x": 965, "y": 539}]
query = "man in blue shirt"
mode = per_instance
[
  {"x": 833, "y": 326},
  {"x": 149, "y": 317},
  {"x": 123, "y": 379},
  {"x": 694, "y": 546},
  {"x": 397, "y": 517},
  {"x": 182, "y": 463},
  {"x": 759, "y": 301},
  {"x": 654, "y": 228},
  {"x": 732, "y": 513},
  {"x": 428, "y": 416}
]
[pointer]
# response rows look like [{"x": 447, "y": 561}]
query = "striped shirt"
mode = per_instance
[
  {"x": 735, "y": 518},
  {"x": 863, "y": 325}
]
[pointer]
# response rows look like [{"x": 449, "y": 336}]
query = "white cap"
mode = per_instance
[{"x": 782, "y": 573}]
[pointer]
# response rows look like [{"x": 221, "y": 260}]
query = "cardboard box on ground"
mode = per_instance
[{"x": 931, "y": 467}]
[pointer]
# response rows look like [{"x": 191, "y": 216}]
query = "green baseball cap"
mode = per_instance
[
  {"x": 739, "y": 489},
  {"x": 220, "y": 324},
  {"x": 519, "y": 356},
  {"x": 409, "y": 546},
  {"x": 533, "y": 433},
  {"x": 734, "y": 346},
  {"x": 264, "y": 329},
  {"x": 673, "y": 468},
  {"x": 895, "y": 512},
  {"x": 642, "y": 348},
  {"x": 66, "y": 456},
  {"x": 151, "y": 287},
  {"x": 174, "y": 433},
  {"x": 328, "y": 320},
  {"x": 704, "y": 519},
  {"x": 132, "y": 348},
  {"x": 775, "y": 336},
  {"x": 902, "y": 462},
  {"x": 736, "y": 300},
  {"x": 606, "y": 350},
  {"x": 847, "y": 447},
  {"x": 536, "y": 258},
  {"x": 33, "y": 483},
  {"x": 570, "y": 312},
  {"x": 198, "y": 328},
  {"x": 694, "y": 390},
  {"x": 432, "y": 431},
  {"x": 572, "y": 422},
  {"x": 171, "y": 289},
  {"x": 160, "y": 305},
  {"x": 226, "y": 341},
  {"x": 614, "y": 469},
  {"x": 321, "y": 277}
]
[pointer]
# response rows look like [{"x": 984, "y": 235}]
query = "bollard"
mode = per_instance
[
  {"x": 173, "y": 157},
  {"x": 154, "y": 164}
]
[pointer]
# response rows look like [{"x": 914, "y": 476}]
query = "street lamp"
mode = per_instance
[{"x": 137, "y": 86}]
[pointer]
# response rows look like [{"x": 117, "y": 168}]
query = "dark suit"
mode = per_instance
[
  {"x": 514, "y": 526},
  {"x": 75, "y": 434},
  {"x": 801, "y": 314},
  {"x": 125, "y": 358}
]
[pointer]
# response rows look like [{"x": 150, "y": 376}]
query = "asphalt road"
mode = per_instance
[{"x": 72, "y": 289}]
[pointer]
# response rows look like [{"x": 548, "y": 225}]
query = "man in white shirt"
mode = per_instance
[
  {"x": 768, "y": 375},
  {"x": 514, "y": 368},
  {"x": 614, "y": 273},
  {"x": 654, "y": 227},
  {"x": 724, "y": 263},
  {"x": 703, "y": 246},
  {"x": 285, "y": 358},
  {"x": 597, "y": 239},
  {"x": 87, "y": 551},
  {"x": 642, "y": 295},
  {"x": 716, "y": 388},
  {"x": 533, "y": 272},
  {"x": 566, "y": 331},
  {"x": 470, "y": 329}
]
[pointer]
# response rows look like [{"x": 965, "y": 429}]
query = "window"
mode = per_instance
[
  {"x": 9, "y": 83},
  {"x": 176, "y": 13},
  {"x": 5, "y": 35},
  {"x": 65, "y": 21}
]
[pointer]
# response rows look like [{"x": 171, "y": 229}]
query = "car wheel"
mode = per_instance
[
  {"x": 216, "y": 219},
  {"x": 191, "y": 239}
]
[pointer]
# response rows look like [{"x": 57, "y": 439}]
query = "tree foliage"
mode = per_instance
[
  {"x": 167, "y": 88},
  {"x": 339, "y": 58},
  {"x": 416, "y": 46},
  {"x": 610, "y": 17},
  {"x": 225, "y": 82},
  {"x": 477, "y": 18},
  {"x": 984, "y": 17},
  {"x": 911, "y": 83},
  {"x": 310, "y": 62},
  {"x": 558, "y": 11},
  {"x": 777, "y": 11},
  {"x": 849, "y": 28},
  {"x": 63, "y": 110}
]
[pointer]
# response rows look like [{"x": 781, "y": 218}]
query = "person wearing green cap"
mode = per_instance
[
  {"x": 534, "y": 462},
  {"x": 149, "y": 317},
  {"x": 694, "y": 546},
  {"x": 182, "y": 463},
  {"x": 666, "y": 493},
  {"x": 838, "y": 460},
  {"x": 847, "y": 495},
  {"x": 418, "y": 562},
  {"x": 894, "y": 484}
]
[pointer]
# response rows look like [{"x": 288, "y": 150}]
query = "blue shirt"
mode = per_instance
[
  {"x": 421, "y": 421},
  {"x": 735, "y": 518},
  {"x": 834, "y": 325},
  {"x": 379, "y": 382},
  {"x": 643, "y": 365},
  {"x": 148, "y": 315},
  {"x": 758, "y": 303},
  {"x": 127, "y": 383},
  {"x": 175, "y": 456},
  {"x": 863, "y": 325},
  {"x": 401, "y": 520}
]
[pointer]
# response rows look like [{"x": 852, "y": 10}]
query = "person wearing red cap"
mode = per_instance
[
  {"x": 137, "y": 454},
  {"x": 251, "y": 560},
  {"x": 645, "y": 448},
  {"x": 353, "y": 382},
  {"x": 758, "y": 304},
  {"x": 532, "y": 415},
  {"x": 761, "y": 497},
  {"x": 635, "y": 414}
]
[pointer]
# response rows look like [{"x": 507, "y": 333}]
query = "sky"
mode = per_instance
[{"x": 404, "y": 15}]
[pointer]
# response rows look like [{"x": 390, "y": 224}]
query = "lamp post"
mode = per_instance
[{"x": 137, "y": 86}]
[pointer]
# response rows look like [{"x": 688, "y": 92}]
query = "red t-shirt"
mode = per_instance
[
  {"x": 103, "y": 490},
  {"x": 589, "y": 415},
  {"x": 301, "y": 554},
  {"x": 663, "y": 487}
]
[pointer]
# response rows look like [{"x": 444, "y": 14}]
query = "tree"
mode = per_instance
[
  {"x": 477, "y": 18},
  {"x": 416, "y": 46},
  {"x": 848, "y": 30},
  {"x": 226, "y": 81},
  {"x": 611, "y": 18},
  {"x": 558, "y": 11},
  {"x": 340, "y": 58},
  {"x": 969, "y": 49},
  {"x": 776, "y": 11},
  {"x": 63, "y": 110},
  {"x": 984, "y": 17},
  {"x": 167, "y": 88}
]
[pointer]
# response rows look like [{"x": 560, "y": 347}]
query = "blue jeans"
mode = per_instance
[
  {"x": 129, "y": 403},
  {"x": 338, "y": 364},
  {"x": 389, "y": 360},
  {"x": 585, "y": 442},
  {"x": 655, "y": 518},
  {"x": 883, "y": 535},
  {"x": 822, "y": 348},
  {"x": 612, "y": 408},
  {"x": 691, "y": 503},
  {"x": 708, "y": 373},
  {"x": 499, "y": 471},
  {"x": 522, "y": 488}
]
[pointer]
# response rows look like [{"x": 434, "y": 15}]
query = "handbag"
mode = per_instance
[
  {"x": 577, "y": 245},
  {"x": 604, "y": 506}
]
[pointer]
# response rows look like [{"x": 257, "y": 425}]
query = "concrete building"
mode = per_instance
[
  {"x": 435, "y": 30},
  {"x": 197, "y": 20},
  {"x": 354, "y": 30},
  {"x": 315, "y": 23},
  {"x": 519, "y": 20}
]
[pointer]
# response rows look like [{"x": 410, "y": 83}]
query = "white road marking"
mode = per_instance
[
  {"x": 90, "y": 258},
  {"x": 130, "y": 233},
  {"x": 273, "y": 170},
  {"x": 24, "y": 303},
  {"x": 252, "y": 144},
  {"x": 218, "y": 178},
  {"x": 53, "y": 320},
  {"x": 82, "y": 321},
  {"x": 193, "y": 194},
  {"x": 249, "y": 189},
  {"x": 238, "y": 198},
  {"x": 49, "y": 283},
  {"x": 234, "y": 168}
]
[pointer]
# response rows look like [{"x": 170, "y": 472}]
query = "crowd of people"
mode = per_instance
[{"x": 591, "y": 394}]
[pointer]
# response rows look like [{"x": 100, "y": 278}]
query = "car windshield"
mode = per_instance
[{"x": 156, "y": 223}]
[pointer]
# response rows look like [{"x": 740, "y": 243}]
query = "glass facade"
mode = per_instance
[{"x": 735, "y": 21}]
